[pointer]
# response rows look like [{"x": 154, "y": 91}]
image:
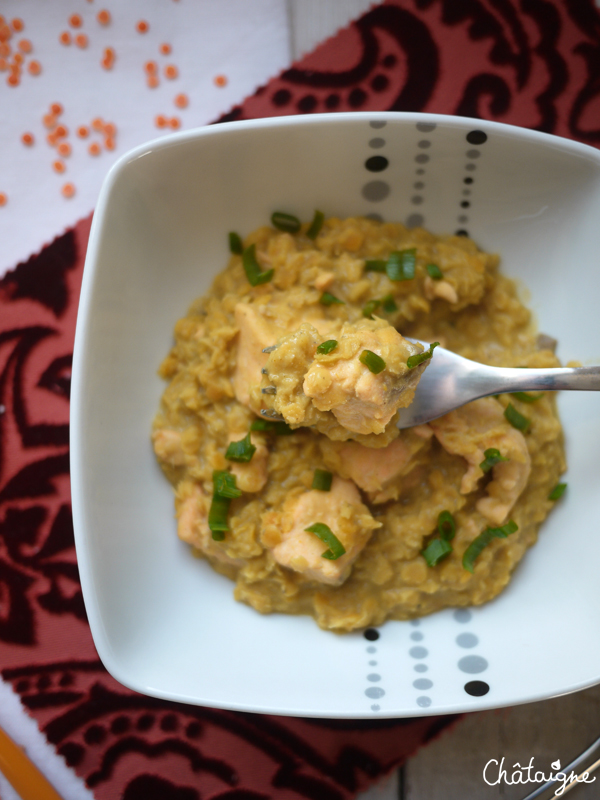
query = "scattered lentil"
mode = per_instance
[
  {"x": 142, "y": 26},
  {"x": 61, "y": 131},
  {"x": 181, "y": 100},
  {"x": 25, "y": 46},
  {"x": 75, "y": 21},
  {"x": 17, "y": 24},
  {"x": 94, "y": 149},
  {"x": 220, "y": 81},
  {"x": 3, "y": 199},
  {"x": 59, "y": 166},
  {"x": 13, "y": 80},
  {"x": 103, "y": 17},
  {"x": 161, "y": 121},
  {"x": 34, "y": 67},
  {"x": 68, "y": 190},
  {"x": 152, "y": 81},
  {"x": 64, "y": 148},
  {"x": 56, "y": 108},
  {"x": 81, "y": 40},
  {"x": 83, "y": 132},
  {"x": 65, "y": 37},
  {"x": 151, "y": 67},
  {"x": 27, "y": 139},
  {"x": 109, "y": 143},
  {"x": 171, "y": 71},
  {"x": 175, "y": 123},
  {"x": 165, "y": 49}
]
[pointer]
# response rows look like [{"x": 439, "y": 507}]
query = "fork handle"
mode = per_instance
[{"x": 508, "y": 379}]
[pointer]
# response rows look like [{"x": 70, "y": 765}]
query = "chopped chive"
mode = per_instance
[
  {"x": 322, "y": 480},
  {"x": 527, "y": 398},
  {"x": 278, "y": 428},
  {"x": 217, "y": 517},
  {"x": 436, "y": 550},
  {"x": 516, "y": 419},
  {"x": 328, "y": 537},
  {"x": 252, "y": 268},
  {"x": 328, "y": 299},
  {"x": 446, "y": 525},
  {"x": 388, "y": 304},
  {"x": 434, "y": 272},
  {"x": 327, "y": 347},
  {"x": 414, "y": 361},
  {"x": 557, "y": 492},
  {"x": 316, "y": 225},
  {"x": 224, "y": 484},
  {"x": 474, "y": 550},
  {"x": 235, "y": 244},
  {"x": 285, "y": 222},
  {"x": 370, "y": 307},
  {"x": 375, "y": 265},
  {"x": 492, "y": 457},
  {"x": 372, "y": 361},
  {"x": 241, "y": 451},
  {"x": 401, "y": 265}
]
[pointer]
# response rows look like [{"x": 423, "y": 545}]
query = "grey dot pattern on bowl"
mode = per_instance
[
  {"x": 474, "y": 137},
  {"x": 373, "y": 692}
]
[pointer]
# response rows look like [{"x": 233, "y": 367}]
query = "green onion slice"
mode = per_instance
[
  {"x": 285, "y": 222},
  {"x": 241, "y": 451},
  {"x": 527, "y": 398},
  {"x": 436, "y": 550},
  {"x": 372, "y": 361},
  {"x": 235, "y": 244},
  {"x": 492, "y": 457},
  {"x": 327, "y": 347},
  {"x": 474, "y": 550},
  {"x": 217, "y": 517},
  {"x": 322, "y": 480},
  {"x": 557, "y": 492},
  {"x": 375, "y": 265},
  {"x": 414, "y": 361},
  {"x": 224, "y": 484},
  {"x": 328, "y": 537},
  {"x": 252, "y": 268},
  {"x": 370, "y": 307},
  {"x": 434, "y": 272},
  {"x": 316, "y": 225},
  {"x": 516, "y": 419},
  {"x": 401, "y": 265},
  {"x": 328, "y": 299},
  {"x": 388, "y": 304},
  {"x": 446, "y": 526},
  {"x": 278, "y": 428}
]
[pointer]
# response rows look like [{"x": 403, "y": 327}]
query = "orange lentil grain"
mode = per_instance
[
  {"x": 83, "y": 132},
  {"x": 151, "y": 67},
  {"x": 181, "y": 100},
  {"x": 165, "y": 49},
  {"x": 59, "y": 166},
  {"x": 25, "y": 46},
  {"x": 65, "y": 37},
  {"x": 27, "y": 138},
  {"x": 103, "y": 17},
  {"x": 56, "y": 108},
  {"x": 97, "y": 124},
  {"x": 142, "y": 26},
  {"x": 109, "y": 143},
  {"x": 5, "y": 49},
  {"x": 152, "y": 81},
  {"x": 175, "y": 123},
  {"x": 2, "y": 20},
  {"x": 64, "y": 148},
  {"x": 18, "y": 58},
  {"x": 49, "y": 120},
  {"x": 34, "y": 67},
  {"x": 13, "y": 80},
  {"x": 17, "y": 24},
  {"x": 94, "y": 149},
  {"x": 81, "y": 40},
  {"x": 75, "y": 21},
  {"x": 5, "y": 33},
  {"x": 161, "y": 121},
  {"x": 171, "y": 71},
  {"x": 220, "y": 81},
  {"x": 51, "y": 139},
  {"x": 61, "y": 131},
  {"x": 110, "y": 129},
  {"x": 68, "y": 190},
  {"x": 3, "y": 65},
  {"x": 3, "y": 199}
]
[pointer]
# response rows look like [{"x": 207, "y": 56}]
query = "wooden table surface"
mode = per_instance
[{"x": 451, "y": 768}]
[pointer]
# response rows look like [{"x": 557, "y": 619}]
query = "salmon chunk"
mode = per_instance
[
  {"x": 252, "y": 475},
  {"x": 192, "y": 527},
  {"x": 256, "y": 333},
  {"x": 295, "y": 548},
  {"x": 168, "y": 447}
]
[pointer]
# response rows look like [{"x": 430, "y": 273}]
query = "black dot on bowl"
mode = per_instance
[
  {"x": 420, "y": 171},
  {"x": 424, "y": 144},
  {"x": 376, "y": 143},
  {"x": 476, "y": 688},
  {"x": 422, "y": 158},
  {"x": 374, "y": 677},
  {"x": 281, "y": 97},
  {"x": 419, "y": 185},
  {"x": 473, "y": 153},
  {"x": 415, "y": 221},
  {"x": 332, "y": 101},
  {"x": 379, "y": 83},
  {"x": 307, "y": 103},
  {"x": 472, "y": 664},
  {"x": 378, "y": 123},
  {"x": 375, "y": 707},
  {"x": 470, "y": 167},
  {"x": 426, "y": 127},
  {"x": 357, "y": 98},
  {"x": 466, "y": 192},
  {"x": 465, "y": 204},
  {"x": 376, "y": 163},
  {"x": 468, "y": 180},
  {"x": 461, "y": 232},
  {"x": 374, "y": 692},
  {"x": 415, "y": 623},
  {"x": 389, "y": 61},
  {"x": 374, "y": 217},
  {"x": 375, "y": 191},
  {"x": 416, "y": 200},
  {"x": 463, "y": 219},
  {"x": 476, "y": 137},
  {"x": 371, "y": 634}
]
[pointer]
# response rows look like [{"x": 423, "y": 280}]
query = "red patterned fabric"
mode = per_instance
[{"x": 528, "y": 62}]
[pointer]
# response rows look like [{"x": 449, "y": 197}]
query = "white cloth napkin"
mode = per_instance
[{"x": 234, "y": 42}]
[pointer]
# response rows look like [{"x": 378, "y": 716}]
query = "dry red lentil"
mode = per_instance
[
  {"x": 25, "y": 46},
  {"x": 83, "y": 132},
  {"x": 165, "y": 49},
  {"x": 75, "y": 21},
  {"x": 220, "y": 81},
  {"x": 17, "y": 24},
  {"x": 142, "y": 26},
  {"x": 103, "y": 17},
  {"x": 94, "y": 149},
  {"x": 68, "y": 190},
  {"x": 81, "y": 40},
  {"x": 59, "y": 166},
  {"x": 171, "y": 71},
  {"x": 3, "y": 199},
  {"x": 56, "y": 108},
  {"x": 64, "y": 148},
  {"x": 34, "y": 67},
  {"x": 27, "y": 138}
]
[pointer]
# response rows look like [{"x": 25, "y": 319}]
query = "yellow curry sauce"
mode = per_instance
[{"x": 388, "y": 488}]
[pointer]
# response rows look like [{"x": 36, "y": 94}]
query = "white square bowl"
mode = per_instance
[{"x": 163, "y": 622}]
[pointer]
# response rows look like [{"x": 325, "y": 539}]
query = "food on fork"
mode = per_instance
[{"x": 278, "y": 427}]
